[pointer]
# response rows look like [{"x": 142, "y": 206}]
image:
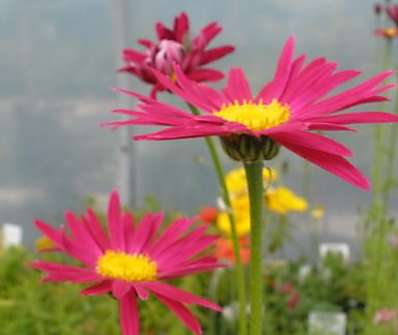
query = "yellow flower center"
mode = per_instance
[
  {"x": 255, "y": 116},
  {"x": 127, "y": 267}
]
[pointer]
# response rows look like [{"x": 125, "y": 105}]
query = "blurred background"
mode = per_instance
[{"x": 57, "y": 65}]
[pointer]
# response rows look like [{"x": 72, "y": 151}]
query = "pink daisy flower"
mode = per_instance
[
  {"x": 176, "y": 46},
  {"x": 297, "y": 101},
  {"x": 132, "y": 261}
]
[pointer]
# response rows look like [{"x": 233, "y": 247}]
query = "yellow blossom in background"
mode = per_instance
[
  {"x": 318, "y": 213},
  {"x": 236, "y": 180},
  {"x": 242, "y": 223},
  {"x": 282, "y": 200},
  {"x": 44, "y": 244}
]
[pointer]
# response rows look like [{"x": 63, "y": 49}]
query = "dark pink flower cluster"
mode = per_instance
[{"x": 175, "y": 46}]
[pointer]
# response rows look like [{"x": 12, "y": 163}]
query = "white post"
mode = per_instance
[{"x": 127, "y": 176}]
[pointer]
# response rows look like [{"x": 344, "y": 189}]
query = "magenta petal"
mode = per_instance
[
  {"x": 141, "y": 291},
  {"x": 131, "y": 55},
  {"x": 114, "y": 222},
  {"x": 102, "y": 287},
  {"x": 360, "y": 117},
  {"x": 203, "y": 74},
  {"x": 82, "y": 236},
  {"x": 183, "y": 314},
  {"x": 176, "y": 294},
  {"x": 313, "y": 141},
  {"x": 53, "y": 234},
  {"x": 120, "y": 288},
  {"x": 237, "y": 86},
  {"x": 333, "y": 164},
  {"x": 215, "y": 54},
  {"x": 172, "y": 233},
  {"x": 61, "y": 272},
  {"x": 277, "y": 86},
  {"x": 145, "y": 232},
  {"x": 128, "y": 310},
  {"x": 96, "y": 230}
]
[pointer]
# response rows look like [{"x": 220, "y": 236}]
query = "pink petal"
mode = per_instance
[
  {"x": 202, "y": 74},
  {"x": 145, "y": 232},
  {"x": 114, "y": 222},
  {"x": 102, "y": 287},
  {"x": 313, "y": 141},
  {"x": 131, "y": 55},
  {"x": 82, "y": 236},
  {"x": 172, "y": 233},
  {"x": 128, "y": 310},
  {"x": 120, "y": 288},
  {"x": 141, "y": 291},
  {"x": 208, "y": 33},
  {"x": 214, "y": 54},
  {"x": 181, "y": 26},
  {"x": 237, "y": 87},
  {"x": 359, "y": 117},
  {"x": 96, "y": 230},
  {"x": 183, "y": 314},
  {"x": 277, "y": 86},
  {"x": 53, "y": 234},
  {"x": 333, "y": 164},
  {"x": 60, "y": 272}
]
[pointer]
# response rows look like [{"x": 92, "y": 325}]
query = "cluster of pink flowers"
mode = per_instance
[{"x": 133, "y": 260}]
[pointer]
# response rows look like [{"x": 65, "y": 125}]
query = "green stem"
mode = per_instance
[
  {"x": 379, "y": 151},
  {"x": 390, "y": 182},
  {"x": 256, "y": 196},
  {"x": 239, "y": 272}
]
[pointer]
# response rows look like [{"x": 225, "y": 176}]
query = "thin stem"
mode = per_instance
[
  {"x": 239, "y": 273},
  {"x": 390, "y": 182},
  {"x": 256, "y": 196},
  {"x": 379, "y": 151}
]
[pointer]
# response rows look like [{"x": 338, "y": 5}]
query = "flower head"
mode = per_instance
[
  {"x": 131, "y": 260},
  {"x": 286, "y": 111},
  {"x": 282, "y": 200},
  {"x": 175, "y": 46}
]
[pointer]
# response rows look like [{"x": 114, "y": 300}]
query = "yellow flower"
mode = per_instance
[
  {"x": 236, "y": 180},
  {"x": 318, "y": 212},
  {"x": 282, "y": 201},
  {"x": 242, "y": 223},
  {"x": 44, "y": 244}
]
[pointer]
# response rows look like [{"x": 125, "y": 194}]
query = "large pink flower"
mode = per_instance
[
  {"x": 176, "y": 46},
  {"x": 294, "y": 103},
  {"x": 132, "y": 261}
]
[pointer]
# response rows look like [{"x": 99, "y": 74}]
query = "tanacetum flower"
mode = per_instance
[
  {"x": 294, "y": 103},
  {"x": 282, "y": 200},
  {"x": 132, "y": 261},
  {"x": 240, "y": 210},
  {"x": 237, "y": 183},
  {"x": 176, "y": 46}
]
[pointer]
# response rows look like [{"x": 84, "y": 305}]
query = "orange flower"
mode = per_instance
[
  {"x": 208, "y": 214},
  {"x": 224, "y": 250}
]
